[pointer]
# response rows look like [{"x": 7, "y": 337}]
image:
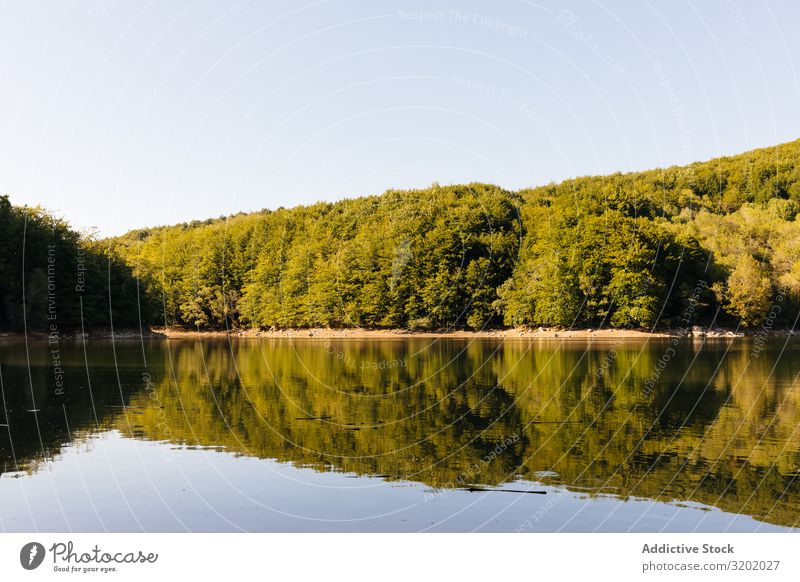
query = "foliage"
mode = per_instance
[
  {"x": 624, "y": 250},
  {"x": 426, "y": 258},
  {"x": 53, "y": 279}
]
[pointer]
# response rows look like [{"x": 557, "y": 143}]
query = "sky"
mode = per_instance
[{"x": 120, "y": 114}]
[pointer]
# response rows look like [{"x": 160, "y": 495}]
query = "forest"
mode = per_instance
[
  {"x": 711, "y": 243},
  {"x": 55, "y": 280}
]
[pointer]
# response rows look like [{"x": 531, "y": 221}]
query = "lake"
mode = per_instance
[{"x": 407, "y": 434}]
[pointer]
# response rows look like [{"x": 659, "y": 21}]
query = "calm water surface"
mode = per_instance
[{"x": 400, "y": 435}]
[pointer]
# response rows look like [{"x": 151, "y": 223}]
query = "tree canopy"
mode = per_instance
[
  {"x": 53, "y": 279},
  {"x": 622, "y": 250}
]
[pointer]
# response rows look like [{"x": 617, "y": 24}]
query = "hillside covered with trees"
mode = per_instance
[
  {"x": 714, "y": 242},
  {"x": 719, "y": 239}
]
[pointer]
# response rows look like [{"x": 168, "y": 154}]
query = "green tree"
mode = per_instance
[{"x": 747, "y": 292}]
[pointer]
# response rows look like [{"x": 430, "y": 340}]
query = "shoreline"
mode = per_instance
[
  {"x": 510, "y": 333},
  {"x": 360, "y": 333}
]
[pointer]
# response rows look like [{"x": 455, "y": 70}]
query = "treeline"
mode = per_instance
[
  {"x": 54, "y": 280},
  {"x": 712, "y": 242},
  {"x": 420, "y": 259},
  {"x": 630, "y": 249},
  {"x": 634, "y": 249}
]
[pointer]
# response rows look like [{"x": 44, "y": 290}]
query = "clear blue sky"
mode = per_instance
[{"x": 119, "y": 113}]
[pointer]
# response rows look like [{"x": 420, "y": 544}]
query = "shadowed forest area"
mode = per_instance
[{"x": 53, "y": 279}]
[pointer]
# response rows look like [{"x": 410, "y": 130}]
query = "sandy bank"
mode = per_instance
[
  {"x": 358, "y": 333},
  {"x": 521, "y": 333}
]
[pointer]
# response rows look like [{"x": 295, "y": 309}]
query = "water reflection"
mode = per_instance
[{"x": 709, "y": 424}]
